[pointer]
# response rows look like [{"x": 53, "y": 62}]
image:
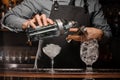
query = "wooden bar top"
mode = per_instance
[{"x": 61, "y": 73}]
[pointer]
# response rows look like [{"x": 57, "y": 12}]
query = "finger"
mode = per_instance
[
  {"x": 38, "y": 18},
  {"x": 80, "y": 38},
  {"x": 74, "y": 37},
  {"x": 50, "y": 21},
  {"x": 73, "y": 29},
  {"x": 44, "y": 19},
  {"x": 31, "y": 23}
]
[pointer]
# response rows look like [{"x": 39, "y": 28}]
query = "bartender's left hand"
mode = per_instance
[{"x": 91, "y": 33}]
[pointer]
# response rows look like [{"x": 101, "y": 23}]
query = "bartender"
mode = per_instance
[{"x": 43, "y": 12}]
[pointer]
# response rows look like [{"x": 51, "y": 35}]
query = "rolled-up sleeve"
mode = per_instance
[
  {"x": 99, "y": 21},
  {"x": 14, "y": 18}
]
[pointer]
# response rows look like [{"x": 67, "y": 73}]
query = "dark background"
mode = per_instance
[
  {"x": 110, "y": 53},
  {"x": 111, "y": 10}
]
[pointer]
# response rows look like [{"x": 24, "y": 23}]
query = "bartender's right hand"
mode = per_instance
[{"x": 40, "y": 20}]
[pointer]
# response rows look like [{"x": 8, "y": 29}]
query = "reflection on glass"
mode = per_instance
[
  {"x": 1, "y": 54},
  {"x": 89, "y": 53},
  {"x": 52, "y": 51},
  {"x": 13, "y": 57},
  {"x": 20, "y": 57},
  {"x": 7, "y": 55}
]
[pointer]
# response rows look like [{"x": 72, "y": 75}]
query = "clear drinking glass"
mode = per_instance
[
  {"x": 89, "y": 53},
  {"x": 52, "y": 50}
]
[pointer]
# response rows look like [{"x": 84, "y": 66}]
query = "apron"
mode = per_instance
[{"x": 69, "y": 56}]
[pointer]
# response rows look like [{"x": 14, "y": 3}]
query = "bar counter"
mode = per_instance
[{"x": 60, "y": 73}]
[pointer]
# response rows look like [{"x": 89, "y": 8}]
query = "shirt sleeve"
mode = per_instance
[
  {"x": 99, "y": 21},
  {"x": 14, "y": 18}
]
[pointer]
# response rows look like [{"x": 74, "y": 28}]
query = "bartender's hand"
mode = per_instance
[
  {"x": 91, "y": 33},
  {"x": 40, "y": 20}
]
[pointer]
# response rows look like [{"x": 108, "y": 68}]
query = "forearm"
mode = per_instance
[
  {"x": 13, "y": 23},
  {"x": 14, "y": 19},
  {"x": 106, "y": 36},
  {"x": 100, "y": 22}
]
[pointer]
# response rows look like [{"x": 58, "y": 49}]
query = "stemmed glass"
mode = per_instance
[
  {"x": 52, "y": 50},
  {"x": 89, "y": 53}
]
